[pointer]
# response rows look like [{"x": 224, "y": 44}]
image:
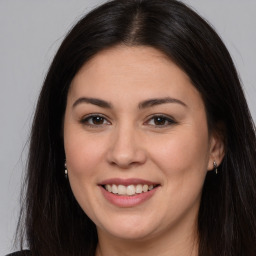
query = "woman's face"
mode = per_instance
[{"x": 137, "y": 143}]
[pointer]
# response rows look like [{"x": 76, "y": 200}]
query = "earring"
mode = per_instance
[
  {"x": 66, "y": 170},
  {"x": 215, "y": 166}
]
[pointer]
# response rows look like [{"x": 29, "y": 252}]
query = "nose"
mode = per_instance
[{"x": 126, "y": 148}]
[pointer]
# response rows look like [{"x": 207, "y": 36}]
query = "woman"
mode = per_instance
[{"x": 142, "y": 141}]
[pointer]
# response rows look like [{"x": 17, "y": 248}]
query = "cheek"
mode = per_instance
[
  {"x": 83, "y": 152},
  {"x": 183, "y": 153},
  {"x": 83, "y": 156},
  {"x": 183, "y": 160}
]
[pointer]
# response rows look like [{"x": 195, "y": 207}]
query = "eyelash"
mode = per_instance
[
  {"x": 89, "y": 119},
  {"x": 167, "y": 121},
  {"x": 86, "y": 120}
]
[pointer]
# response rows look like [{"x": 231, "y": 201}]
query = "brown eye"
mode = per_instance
[
  {"x": 160, "y": 121},
  {"x": 95, "y": 120}
]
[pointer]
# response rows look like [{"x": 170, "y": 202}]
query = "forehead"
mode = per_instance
[
  {"x": 132, "y": 54},
  {"x": 137, "y": 71},
  {"x": 140, "y": 60}
]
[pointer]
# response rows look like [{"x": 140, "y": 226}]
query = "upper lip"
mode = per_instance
[{"x": 126, "y": 182}]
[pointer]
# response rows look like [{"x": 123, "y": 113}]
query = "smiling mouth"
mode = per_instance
[{"x": 129, "y": 190}]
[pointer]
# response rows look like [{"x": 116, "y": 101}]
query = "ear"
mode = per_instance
[{"x": 216, "y": 149}]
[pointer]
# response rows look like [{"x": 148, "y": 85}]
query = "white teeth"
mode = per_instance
[
  {"x": 150, "y": 187},
  {"x": 121, "y": 190},
  {"x": 128, "y": 190},
  {"x": 114, "y": 189},
  {"x": 109, "y": 188},
  {"x": 139, "y": 189},
  {"x": 145, "y": 188}
]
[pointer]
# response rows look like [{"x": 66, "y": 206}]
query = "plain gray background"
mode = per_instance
[{"x": 31, "y": 32}]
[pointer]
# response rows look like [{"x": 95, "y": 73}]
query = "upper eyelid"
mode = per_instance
[
  {"x": 93, "y": 115},
  {"x": 88, "y": 116},
  {"x": 168, "y": 117},
  {"x": 170, "y": 121}
]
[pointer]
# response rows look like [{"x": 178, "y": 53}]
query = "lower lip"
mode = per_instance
[{"x": 127, "y": 201}]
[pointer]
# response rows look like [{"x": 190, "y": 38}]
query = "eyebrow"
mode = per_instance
[
  {"x": 159, "y": 101},
  {"x": 94, "y": 101},
  {"x": 142, "y": 105}
]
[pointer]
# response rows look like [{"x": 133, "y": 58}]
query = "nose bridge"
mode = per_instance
[{"x": 126, "y": 148}]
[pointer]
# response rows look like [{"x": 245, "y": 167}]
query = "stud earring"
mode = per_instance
[
  {"x": 66, "y": 170},
  {"x": 215, "y": 166}
]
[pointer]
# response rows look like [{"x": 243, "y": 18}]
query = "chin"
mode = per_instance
[{"x": 130, "y": 229}]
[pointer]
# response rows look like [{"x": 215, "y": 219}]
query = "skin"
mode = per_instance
[{"x": 128, "y": 142}]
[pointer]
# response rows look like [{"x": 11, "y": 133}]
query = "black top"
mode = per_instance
[{"x": 21, "y": 253}]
